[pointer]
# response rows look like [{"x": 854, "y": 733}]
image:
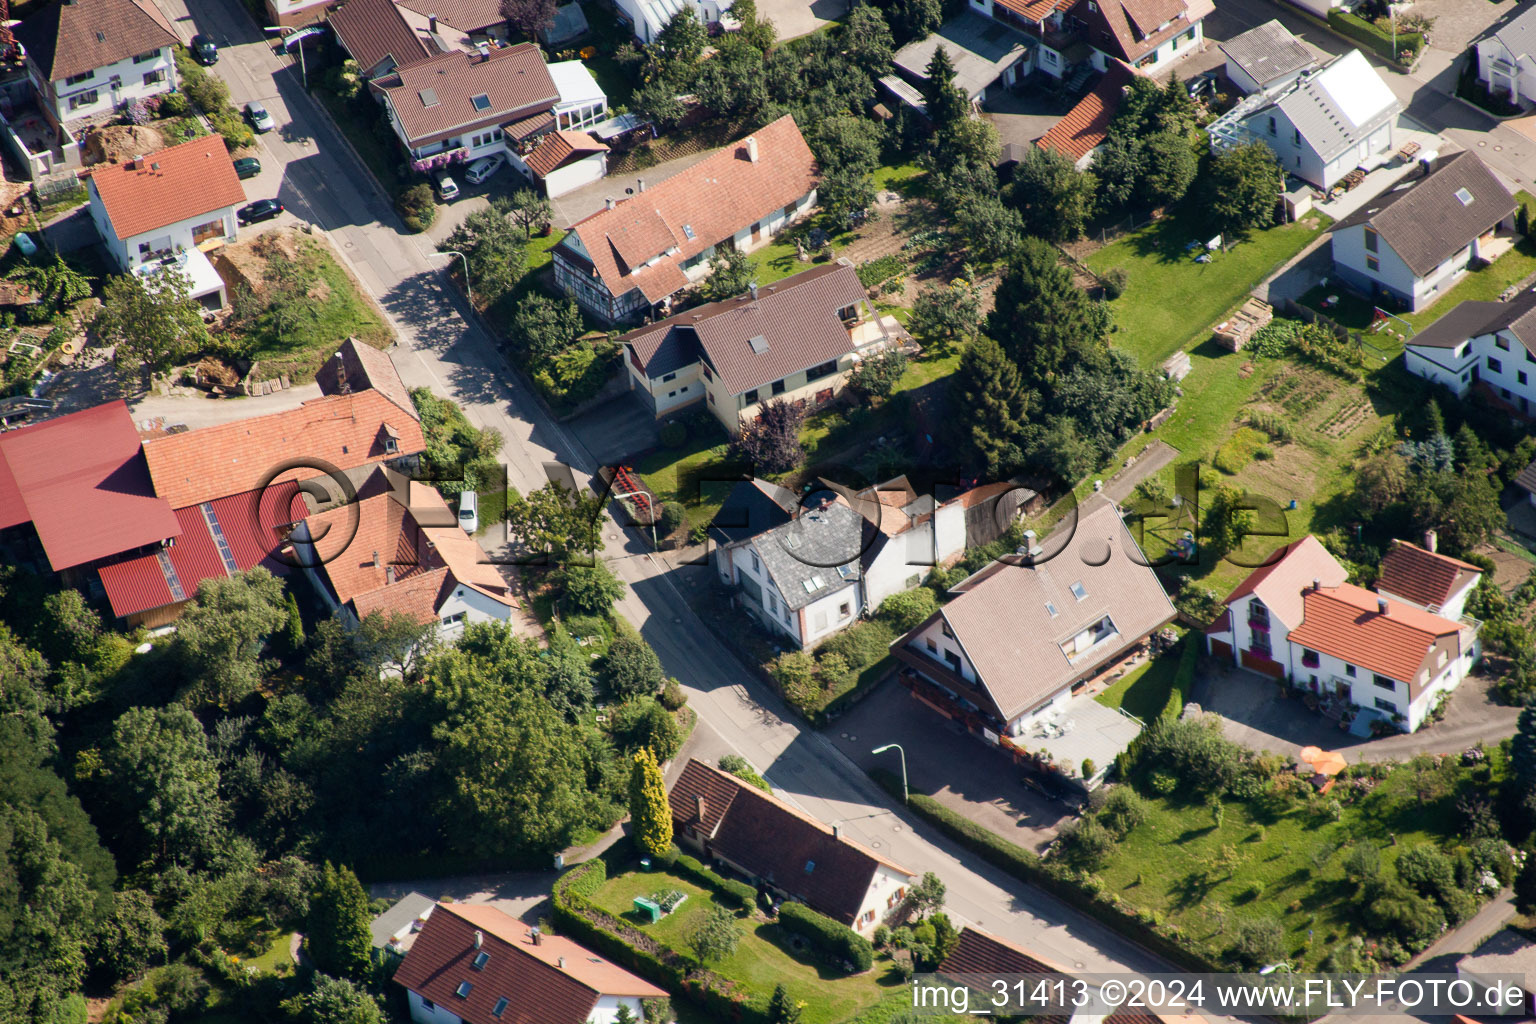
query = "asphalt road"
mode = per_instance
[{"x": 443, "y": 348}]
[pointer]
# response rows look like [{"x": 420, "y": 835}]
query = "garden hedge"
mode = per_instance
[
  {"x": 738, "y": 894},
  {"x": 832, "y": 938},
  {"x": 1361, "y": 31}
]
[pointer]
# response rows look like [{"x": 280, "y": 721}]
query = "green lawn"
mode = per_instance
[
  {"x": 343, "y": 312},
  {"x": 276, "y": 958},
  {"x": 1144, "y": 691},
  {"x": 699, "y": 475},
  {"x": 1280, "y": 857},
  {"x": 837, "y": 428},
  {"x": 1170, "y": 301},
  {"x": 760, "y": 961}
]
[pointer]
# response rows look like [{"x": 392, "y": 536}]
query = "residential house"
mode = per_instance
[
  {"x": 987, "y": 58},
  {"x": 796, "y": 340},
  {"x": 457, "y": 24},
  {"x": 298, "y": 13},
  {"x": 459, "y": 106},
  {"x": 1508, "y": 954},
  {"x": 1022, "y": 636},
  {"x": 164, "y": 210},
  {"x": 84, "y": 62},
  {"x": 377, "y": 36},
  {"x": 979, "y": 952},
  {"x": 1149, "y": 35},
  {"x": 474, "y": 964},
  {"x": 563, "y": 161},
  {"x": 1266, "y": 57},
  {"x": 762, "y": 837},
  {"x": 395, "y": 929},
  {"x": 1298, "y": 619},
  {"x": 75, "y": 491},
  {"x": 398, "y": 549},
  {"x": 632, "y": 257},
  {"x": 1506, "y": 58},
  {"x": 238, "y": 488},
  {"x": 1081, "y": 133},
  {"x": 1413, "y": 242},
  {"x": 1426, "y": 579},
  {"x": 647, "y": 18},
  {"x": 1486, "y": 346},
  {"x": 1321, "y": 125}
]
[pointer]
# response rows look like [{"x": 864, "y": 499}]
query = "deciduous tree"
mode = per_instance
[
  {"x": 528, "y": 210},
  {"x": 529, "y": 16},
  {"x": 590, "y": 589},
  {"x": 223, "y": 632},
  {"x": 772, "y": 441},
  {"x": 1243, "y": 186},
  {"x": 1054, "y": 197},
  {"x": 876, "y": 376},
  {"x": 631, "y": 667},
  {"x": 716, "y": 936},
  {"x": 945, "y": 315},
  {"x": 556, "y": 521},
  {"x": 545, "y": 326},
  {"x": 161, "y": 775},
  {"x": 150, "y": 323},
  {"x": 334, "y": 1001},
  {"x": 730, "y": 273}
]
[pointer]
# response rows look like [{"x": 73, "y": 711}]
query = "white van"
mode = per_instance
[
  {"x": 483, "y": 168},
  {"x": 469, "y": 511},
  {"x": 447, "y": 188}
]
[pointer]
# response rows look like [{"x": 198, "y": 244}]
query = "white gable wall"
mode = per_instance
[
  {"x": 113, "y": 85},
  {"x": 887, "y": 891},
  {"x": 1450, "y": 368},
  {"x": 607, "y": 1009},
  {"x": 466, "y": 604},
  {"x": 424, "y": 1011}
]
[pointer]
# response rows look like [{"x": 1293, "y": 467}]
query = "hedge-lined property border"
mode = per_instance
[
  {"x": 832, "y": 938},
  {"x": 1361, "y": 31},
  {"x": 1028, "y": 867}
]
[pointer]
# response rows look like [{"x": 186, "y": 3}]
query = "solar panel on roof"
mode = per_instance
[{"x": 759, "y": 344}]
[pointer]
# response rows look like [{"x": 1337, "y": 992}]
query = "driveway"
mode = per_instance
[
  {"x": 1257, "y": 717},
  {"x": 961, "y": 772},
  {"x": 618, "y": 428},
  {"x": 1022, "y": 117},
  {"x": 519, "y": 894}
]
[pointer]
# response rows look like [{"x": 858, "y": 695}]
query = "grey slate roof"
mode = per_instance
[
  {"x": 1317, "y": 114},
  {"x": 399, "y": 917},
  {"x": 1519, "y": 36},
  {"x": 1423, "y": 220},
  {"x": 754, "y": 506},
  {"x": 1268, "y": 52},
  {"x": 818, "y": 550},
  {"x": 981, "y": 48},
  {"x": 1472, "y": 319}
]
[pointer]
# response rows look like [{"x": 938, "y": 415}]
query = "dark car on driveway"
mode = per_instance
[
  {"x": 204, "y": 50},
  {"x": 260, "y": 210},
  {"x": 247, "y": 167}
]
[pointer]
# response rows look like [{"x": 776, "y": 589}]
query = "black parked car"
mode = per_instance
[
  {"x": 260, "y": 210},
  {"x": 204, "y": 50}
]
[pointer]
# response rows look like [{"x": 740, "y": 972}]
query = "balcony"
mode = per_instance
[{"x": 1261, "y": 625}]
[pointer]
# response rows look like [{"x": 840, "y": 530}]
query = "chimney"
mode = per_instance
[
  {"x": 484, "y": 50},
  {"x": 432, "y": 23},
  {"x": 1317, "y": 584},
  {"x": 699, "y": 806},
  {"x": 1381, "y": 605},
  {"x": 837, "y": 831},
  {"x": 1431, "y": 540},
  {"x": 752, "y": 287},
  {"x": 560, "y": 962},
  {"x": 1029, "y": 543},
  {"x": 479, "y": 938},
  {"x": 389, "y": 574},
  {"x": 640, "y": 184},
  {"x": 752, "y": 148},
  {"x": 538, "y": 936},
  {"x": 375, "y": 559},
  {"x": 610, "y": 202}
]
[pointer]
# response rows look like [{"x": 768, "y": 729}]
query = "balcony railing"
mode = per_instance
[{"x": 1262, "y": 625}]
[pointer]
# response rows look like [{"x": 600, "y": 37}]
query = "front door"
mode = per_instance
[
  {"x": 1340, "y": 688},
  {"x": 757, "y": 232}
]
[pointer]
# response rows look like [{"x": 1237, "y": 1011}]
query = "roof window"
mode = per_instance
[
  {"x": 428, "y": 97},
  {"x": 759, "y": 344},
  {"x": 810, "y": 866},
  {"x": 1078, "y": 591},
  {"x": 1051, "y": 608},
  {"x": 688, "y": 231},
  {"x": 482, "y": 102},
  {"x": 499, "y": 1008},
  {"x": 481, "y": 959},
  {"x": 463, "y": 990},
  {"x": 1464, "y": 196}
]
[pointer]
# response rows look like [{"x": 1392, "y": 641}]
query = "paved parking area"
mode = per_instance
[
  {"x": 959, "y": 770},
  {"x": 618, "y": 428},
  {"x": 1022, "y": 117}
]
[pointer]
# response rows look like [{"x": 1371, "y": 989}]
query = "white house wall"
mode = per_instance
[
  {"x": 130, "y": 86},
  {"x": 827, "y": 615},
  {"x": 125, "y": 251},
  {"x": 607, "y": 1009},
  {"x": 1492, "y": 49},
  {"x": 1507, "y": 366},
  {"x": 1349, "y": 255},
  {"x": 424, "y": 1011},
  {"x": 473, "y": 606},
  {"x": 572, "y": 176},
  {"x": 1450, "y": 368},
  {"x": 886, "y": 893}
]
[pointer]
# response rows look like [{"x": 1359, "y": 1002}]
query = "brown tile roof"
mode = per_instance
[
  {"x": 173, "y": 184},
  {"x": 558, "y": 148},
  {"x": 1345, "y": 621},
  {"x": 372, "y": 30},
  {"x": 700, "y": 780},
  {"x": 344, "y": 430},
  {"x": 1036, "y": 10},
  {"x": 464, "y": 15},
  {"x": 1425, "y": 221},
  {"x": 795, "y": 320},
  {"x": 530, "y": 126},
  {"x": 434, "y": 97},
  {"x": 536, "y": 989},
  {"x": 417, "y": 597},
  {"x": 358, "y": 366},
  {"x": 1128, "y": 29},
  {"x": 1279, "y": 582},
  {"x": 66, "y": 39},
  {"x": 773, "y": 841},
  {"x": 1008, "y": 633},
  {"x": 980, "y": 953},
  {"x": 1423, "y": 577},
  {"x": 1084, "y": 127},
  {"x": 692, "y": 211}
]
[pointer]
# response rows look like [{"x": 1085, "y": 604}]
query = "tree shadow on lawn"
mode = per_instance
[
  {"x": 800, "y": 951},
  {"x": 1168, "y": 240},
  {"x": 1194, "y": 888}
]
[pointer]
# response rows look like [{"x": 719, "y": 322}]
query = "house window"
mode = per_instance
[
  {"x": 1049, "y": 56},
  {"x": 154, "y": 77},
  {"x": 711, "y": 397},
  {"x": 145, "y": 58},
  {"x": 1296, "y": 136},
  {"x": 1310, "y": 659},
  {"x": 670, "y": 376},
  {"x": 824, "y": 370},
  {"x": 947, "y": 631},
  {"x": 1500, "y": 343},
  {"x": 773, "y": 605},
  {"x": 704, "y": 369},
  {"x": 499, "y": 1008},
  {"x": 789, "y": 211},
  {"x": 84, "y": 76},
  {"x": 1271, "y": 124},
  {"x": 933, "y": 648},
  {"x": 481, "y": 959},
  {"x": 391, "y": 446},
  {"x": 1372, "y": 264},
  {"x": 778, "y": 387},
  {"x": 1349, "y": 670},
  {"x": 844, "y": 610},
  {"x": 463, "y": 990},
  {"x": 84, "y": 99},
  {"x": 1494, "y": 366},
  {"x": 1521, "y": 376},
  {"x": 1372, "y": 240},
  {"x": 954, "y": 660},
  {"x": 427, "y": 1004},
  {"x": 1383, "y": 682},
  {"x": 754, "y": 560},
  {"x": 1382, "y": 704},
  {"x": 750, "y": 398},
  {"x": 1529, "y": 357},
  {"x": 456, "y": 617}
]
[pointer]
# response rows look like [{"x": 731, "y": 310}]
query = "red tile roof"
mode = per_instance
[
  {"x": 83, "y": 484},
  {"x": 796, "y": 318},
  {"x": 344, "y": 430},
  {"x": 358, "y": 366},
  {"x": 1086, "y": 125},
  {"x": 1424, "y": 577},
  {"x": 1346, "y": 622},
  {"x": 65, "y": 39},
  {"x": 173, "y": 184},
  {"x": 433, "y": 98},
  {"x": 1129, "y": 29},
  {"x": 464, "y": 15},
  {"x": 536, "y": 989},
  {"x": 1036, "y": 10},
  {"x": 770, "y": 839},
  {"x": 692, "y": 211},
  {"x": 557, "y": 149},
  {"x": 373, "y": 30}
]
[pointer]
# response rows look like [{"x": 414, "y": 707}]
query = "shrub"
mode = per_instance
[
  {"x": 674, "y": 434},
  {"x": 872, "y": 272},
  {"x": 735, "y": 894},
  {"x": 860, "y": 645},
  {"x": 795, "y": 672},
  {"x": 1114, "y": 282},
  {"x": 743, "y": 770},
  {"x": 645, "y": 723},
  {"x": 673, "y": 515},
  {"x": 1258, "y": 942},
  {"x": 1162, "y": 783},
  {"x": 882, "y": 936},
  {"x": 173, "y": 104},
  {"x": 905, "y": 610},
  {"x": 672, "y": 696},
  {"x": 229, "y": 124},
  {"x": 832, "y": 939},
  {"x": 416, "y": 207},
  {"x": 631, "y": 667},
  {"x": 1085, "y": 844},
  {"x": 1123, "y": 810}
]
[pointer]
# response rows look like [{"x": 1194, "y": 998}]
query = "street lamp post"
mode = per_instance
[
  {"x": 468, "y": 292},
  {"x": 283, "y": 32},
  {"x": 632, "y": 494},
  {"x": 897, "y": 747}
]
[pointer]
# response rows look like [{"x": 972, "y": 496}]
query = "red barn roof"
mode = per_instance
[
  {"x": 1085, "y": 127},
  {"x": 83, "y": 484}
]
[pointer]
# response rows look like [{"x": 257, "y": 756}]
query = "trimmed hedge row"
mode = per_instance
[
  {"x": 832, "y": 938},
  {"x": 1028, "y": 867},
  {"x": 739, "y": 895},
  {"x": 1362, "y": 31}
]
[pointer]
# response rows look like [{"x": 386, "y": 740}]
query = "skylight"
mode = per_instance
[
  {"x": 428, "y": 97},
  {"x": 1051, "y": 608},
  {"x": 759, "y": 344},
  {"x": 500, "y": 1007},
  {"x": 810, "y": 866},
  {"x": 463, "y": 990},
  {"x": 482, "y": 102},
  {"x": 688, "y": 231},
  {"x": 481, "y": 959},
  {"x": 845, "y": 571},
  {"x": 1078, "y": 591},
  {"x": 1464, "y": 196}
]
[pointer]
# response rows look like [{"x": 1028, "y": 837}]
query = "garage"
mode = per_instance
[{"x": 565, "y": 161}]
